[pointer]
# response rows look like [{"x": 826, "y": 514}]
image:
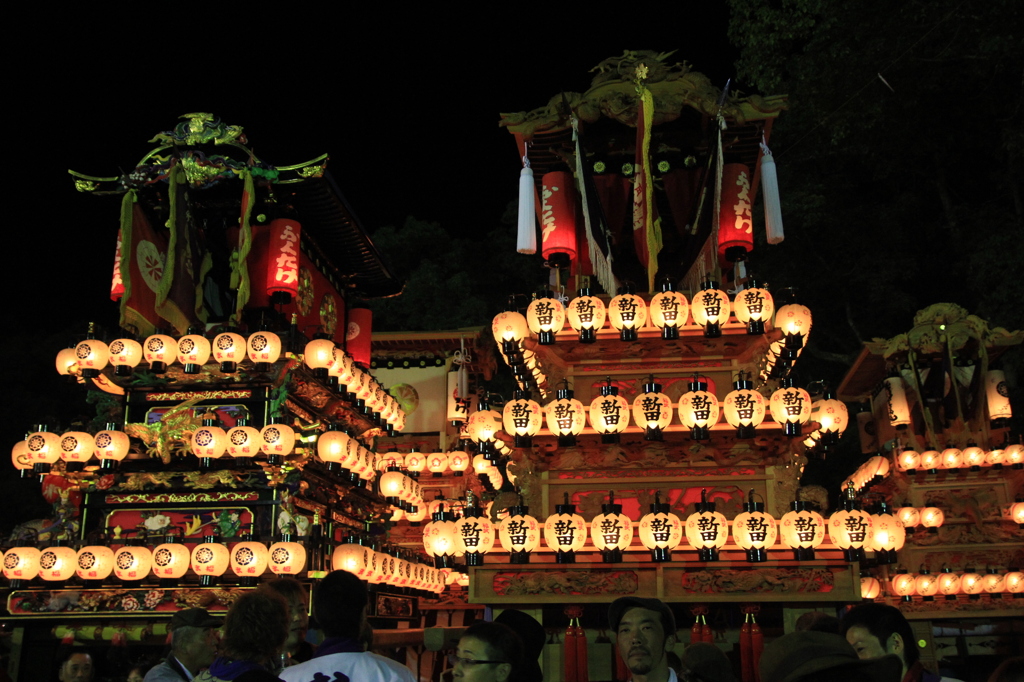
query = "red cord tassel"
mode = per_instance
[
  {"x": 706, "y": 633},
  {"x": 582, "y": 669},
  {"x": 746, "y": 652},
  {"x": 621, "y": 671},
  {"x": 569, "y": 655},
  {"x": 757, "y": 646}
]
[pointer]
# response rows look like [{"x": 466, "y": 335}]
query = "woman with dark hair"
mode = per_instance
[
  {"x": 255, "y": 631},
  {"x": 296, "y": 648},
  {"x": 488, "y": 652}
]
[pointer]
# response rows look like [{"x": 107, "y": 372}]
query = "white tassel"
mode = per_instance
[
  {"x": 527, "y": 239},
  {"x": 770, "y": 190}
]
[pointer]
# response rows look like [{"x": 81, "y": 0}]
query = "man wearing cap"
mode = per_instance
[
  {"x": 339, "y": 607},
  {"x": 809, "y": 656},
  {"x": 193, "y": 647},
  {"x": 645, "y": 631},
  {"x": 874, "y": 630}
]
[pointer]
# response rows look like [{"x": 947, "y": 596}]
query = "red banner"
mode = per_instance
[
  {"x": 558, "y": 215},
  {"x": 735, "y": 223},
  {"x": 283, "y": 257}
]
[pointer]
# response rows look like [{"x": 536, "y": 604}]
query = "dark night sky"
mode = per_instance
[{"x": 408, "y": 114}]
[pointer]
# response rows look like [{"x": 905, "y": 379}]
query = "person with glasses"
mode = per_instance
[{"x": 488, "y": 652}]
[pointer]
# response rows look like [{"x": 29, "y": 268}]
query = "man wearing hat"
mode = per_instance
[
  {"x": 194, "y": 642},
  {"x": 645, "y": 631},
  {"x": 809, "y": 656}
]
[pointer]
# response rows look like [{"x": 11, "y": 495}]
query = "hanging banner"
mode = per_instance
[
  {"x": 646, "y": 225},
  {"x": 735, "y": 221},
  {"x": 558, "y": 216},
  {"x": 283, "y": 257},
  {"x": 116, "y": 283},
  {"x": 358, "y": 335}
]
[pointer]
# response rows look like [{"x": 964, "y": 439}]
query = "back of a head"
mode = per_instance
[
  {"x": 705, "y": 661},
  {"x": 810, "y": 656},
  {"x": 289, "y": 588},
  {"x": 502, "y": 642},
  {"x": 818, "y": 621},
  {"x": 338, "y": 603},
  {"x": 256, "y": 626},
  {"x": 882, "y": 621},
  {"x": 1010, "y": 670}
]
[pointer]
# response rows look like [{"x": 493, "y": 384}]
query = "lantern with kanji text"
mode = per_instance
[
  {"x": 263, "y": 349},
  {"x": 896, "y": 402},
  {"x": 1014, "y": 456},
  {"x": 546, "y": 316},
  {"x": 133, "y": 561},
  {"x": 283, "y": 260},
  {"x": 754, "y": 530},
  {"x": 652, "y": 410},
  {"x": 660, "y": 530},
  {"x": 908, "y": 460},
  {"x": 210, "y": 560},
  {"x": 160, "y": 351},
  {"x": 249, "y": 560},
  {"x": 519, "y": 534},
  {"x": 171, "y": 560},
  {"x": 229, "y": 349},
  {"x": 744, "y": 408},
  {"x": 112, "y": 445},
  {"x": 735, "y": 221},
  {"x": 522, "y": 418},
  {"x": 753, "y": 306},
  {"x": 669, "y": 311},
  {"x": 353, "y": 557},
  {"x": 627, "y": 313},
  {"x": 710, "y": 308},
  {"x": 609, "y": 413},
  {"x": 586, "y": 314},
  {"x": 903, "y": 584},
  {"x": 971, "y": 583},
  {"x": 558, "y": 218},
  {"x": 209, "y": 442},
  {"x": 91, "y": 354},
  {"x": 974, "y": 457},
  {"x": 849, "y": 528},
  {"x": 932, "y": 518},
  {"x": 952, "y": 459},
  {"x": 993, "y": 582},
  {"x": 1015, "y": 583},
  {"x": 706, "y": 529},
  {"x": 474, "y": 534},
  {"x": 439, "y": 538},
  {"x": 76, "y": 448},
  {"x": 802, "y": 529},
  {"x": 125, "y": 356},
  {"x": 997, "y": 393},
  {"x": 566, "y": 417},
  {"x": 57, "y": 562},
  {"x": 698, "y": 409},
  {"x": 278, "y": 440},
  {"x": 611, "y": 531},
  {"x": 193, "y": 351},
  {"x": 949, "y": 583},
  {"x": 43, "y": 449},
  {"x": 287, "y": 557},
  {"x": 244, "y": 441},
  {"x": 94, "y": 562},
  {"x": 565, "y": 532},
  {"x": 791, "y": 407},
  {"x": 21, "y": 564}
]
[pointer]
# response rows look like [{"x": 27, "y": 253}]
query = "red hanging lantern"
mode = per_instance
[
  {"x": 558, "y": 218},
  {"x": 283, "y": 259},
  {"x": 735, "y": 222}
]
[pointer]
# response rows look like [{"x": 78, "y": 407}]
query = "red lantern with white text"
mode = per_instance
[
  {"x": 558, "y": 218},
  {"x": 283, "y": 260},
  {"x": 735, "y": 221}
]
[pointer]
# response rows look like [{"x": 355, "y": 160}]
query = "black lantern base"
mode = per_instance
[
  {"x": 158, "y": 367},
  {"x": 653, "y": 434},
  {"x": 928, "y": 597},
  {"x": 712, "y": 330},
  {"x": 611, "y": 556},
  {"x": 588, "y": 336},
  {"x": 28, "y": 473},
  {"x": 627, "y": 334},
  {"x": 885, "y": 556},
  {"x": 757, "y": 554},
  {"x": 700, "y": 433},
  {"x": 123, "y": 371},
  {"x": 565, "y": 557},
  {"x": 566, "y": 441},
  {"x": 358, "y": 482},
  {"x": 332, "y": 382},
  {"x": 444, "y": 561},
  {"x": 853, "y": 554},
  {"x": 803, "y": 553},
  {"x": 207, "y": 580},
  {"x": 523, "y": 441},
  {"x": 746, "y": 431},
  {"x": 707, "y": 554},
  {"x": 40, "y": 468},
  {"x": 72, "y": 467},
  {"x": 108, "y": 464},
  {"x": 249, "y": 581},
  {"x": 546, "y": 338},
  {"x": 17, "y": 584},
  {"x": 274, "y": 460},
  {"x": 192, "y": 368},
  {"x": 661, "y": 554},
  {"x": 906, "y": 598},
  {"x": 474, "y": 559},
  {"x": 243, "y": 462},
  {"x": 755, "y": 327},
  {"x": 90, "y": 373},
  {"x": 205, "y": 463},
  {"x": 670, "y": 333},
  {"x": 262, "y": 367},
  {"x": 609, "y": 438},
  {"x": 519, "y": 557},
  {"x": 229, "y": 367},
  {"x": 793, "y": 430},
  {"x": 950, "y": 597},
  {"x": 457, "y": 474}
]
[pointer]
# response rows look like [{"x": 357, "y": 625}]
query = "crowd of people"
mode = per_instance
[{"x": 263, "y": 639}]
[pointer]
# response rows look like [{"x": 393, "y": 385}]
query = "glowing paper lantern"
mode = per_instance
[
  {"x": 566, "y": 417},
  {"x": 458, "y": 461},
  {"x": 43, "y": 449},
  {"x": 896, "y": 400},
  {"x": 669, "y": 311},
  {"x": 908, "y": 460},
  {"x": 111, "y": 446},
  {"x": 244, "y": 441},
  {"x": 661, "y": 531},
  {"x": 287, "y": 557},
  {"x": 66, "y": 359},
  {"x": 160, "y": 351},
  {"x": 57, "y": 563},
  {"x": 193, "y": 352},
  {"x": 998, "y": 395},
  {"x": 888, "y": 536},
  {"x": 744, "y": 408},
  {"x": 565, "y": 532},
  {"x": 474, "y": 535},
  {"x": 1015, "y": 583},
  {"x": 437, "y": 463},
  {"x": 932, "y": 518},
  {"x": 332, "y": 446},
  {"x": 229, "y": 349},
  {"x": 319, "y": 356},
  {"x": 974, "y": 457},
  {"x": 522, "y": 418},
  {"x": 249, "y": 560},
  {"x": 21, "y": 563},
  {"x": 439, "y": 539},
  {"x": 949, "y": 584},
  {"x": 20, "y": 458},
  {"x": 698, "y": 409},
  {"x": 558, "y": 218},
  {"x": 210, "y": 559},
  {"x": 710, "y": 309},
  {"x": 586, "y": 314},
  {"x": 609, "y": 413},
  {"x": 352, "y": 557},
  {"x": 171, "y": 560},
  {"x": 612, "y": 531},
  {"x": 753, "y": 306},
  {"x": 546, "y": 317},
  {"x": 483, "y": 426},
  {"x": 519, "y": 534},
  {"x": 278, "y": 440},
  {"x": 791, "y": 407},
  {"x": 77, "y": 447},
  {"x": 850, "y": 527},
  {"x": 952, "y": 459},
  {"x": 903, "y": 585},
  {"x": 263, "y": 349},
  {"x": 1017, "y": 511},
  {"x": 795, "y": 322},
  {"x": 125, "y": 356},
  {"x": 209, "y": 441},
  {"x": 735, "y": 222},
  {"x": 1014, "y": 455},
  {"x": 706, "y": 529},
  {"x": 971, "y": 584},
  {"x": 627, "y": 313},
  {"x": 754, "y": 530},
  {"x": 870, "y": 588},
  {"x": 509, "y": 329},
  {"x": 132, "y": 562},
  {"x": 930, "y": 459},
  {"x": 92, "y": 356},
  {"x": 94, "y": 562},
  {"x": 415, "y": 462},
  {"x": 652, "y": 410},
  {"x": 993, "y": 582},
  {"x": 391, "y": 485},
  {"x": 803, "y": 530}
]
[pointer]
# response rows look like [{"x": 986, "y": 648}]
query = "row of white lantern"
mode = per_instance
[
  {"x": 949, "y": 584},
  {"x": 609, "y": 413},
  {"x": 160, "y": 350},
  {"x": 170, "y": 560},
  {"x": 898, "y": 404},
  {"x": 379, "y": 567},
  {"x": 954, "y": 458},
  {"x": 456, "y": 461},
  {"x": 668, "y": 311},
  {"x": 334, "y": 365},
  {"x": 661, "y": 531}
]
